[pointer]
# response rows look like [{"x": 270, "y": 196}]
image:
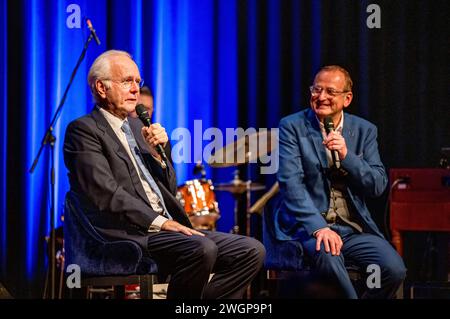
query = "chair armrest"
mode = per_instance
[{"x": 110, "y": 258}]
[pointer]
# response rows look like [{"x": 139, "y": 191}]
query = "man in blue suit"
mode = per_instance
[{"x": 324, "y": 206}]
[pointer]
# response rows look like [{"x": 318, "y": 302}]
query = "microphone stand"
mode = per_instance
[{"x": 50, "y": 139}]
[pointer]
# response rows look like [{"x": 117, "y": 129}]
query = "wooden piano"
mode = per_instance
[{"x": 420, "y": 201}]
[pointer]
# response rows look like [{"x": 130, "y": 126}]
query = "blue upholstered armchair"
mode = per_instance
[
  {"x": 103, "y": 262},
  {"x": 280, "y": 255},
  {"x": 287, "y": 264}
]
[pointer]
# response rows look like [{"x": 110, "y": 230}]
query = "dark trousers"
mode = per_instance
[
  {"x": 362, "y": 250},
  {"x": 235, "y": 260}
]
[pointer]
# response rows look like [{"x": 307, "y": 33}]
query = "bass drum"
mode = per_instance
[{"x": 199, "y": 202}]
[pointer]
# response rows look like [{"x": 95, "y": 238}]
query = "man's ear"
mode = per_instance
[
  {"x": 101, "y": 89},
  {"x": 348, "y": 99}
]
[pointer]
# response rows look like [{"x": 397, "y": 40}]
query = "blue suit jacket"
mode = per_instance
[{"x": 304, "y": 187}]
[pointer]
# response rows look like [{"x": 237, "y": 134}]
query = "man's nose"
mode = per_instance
[
  {"x": 322, "y": 95},
  {"x": 134, "y": 87}
]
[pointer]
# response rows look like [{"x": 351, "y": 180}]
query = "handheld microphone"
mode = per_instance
[
  {"x": 89, "y": 24},
  {"x": 329, "y": 127},
  {"x": 142, "y": 112}
]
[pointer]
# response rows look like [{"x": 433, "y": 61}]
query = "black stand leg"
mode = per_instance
[{"x": 49, "y": 139}]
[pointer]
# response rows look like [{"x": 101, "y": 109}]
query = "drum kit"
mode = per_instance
[
  {"x": 198, "y": 195},
  {"x": 199, "y": 201}
]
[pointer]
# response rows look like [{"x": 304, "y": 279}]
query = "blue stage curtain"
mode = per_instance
[
  {"x": 186, "y": 51},
  {"x": 228, "y": 63}
]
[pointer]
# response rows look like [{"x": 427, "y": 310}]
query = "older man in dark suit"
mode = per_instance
[{"x": 129, "y": 192}]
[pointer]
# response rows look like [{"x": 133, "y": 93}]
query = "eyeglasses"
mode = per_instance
[
  {"x": 126, "y": 84},
  {"x": 317, "y": 90}
]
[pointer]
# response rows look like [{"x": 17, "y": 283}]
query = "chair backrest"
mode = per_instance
[
  {"x": 95, "y": 255},
  {"x": 280, "y": 255}
]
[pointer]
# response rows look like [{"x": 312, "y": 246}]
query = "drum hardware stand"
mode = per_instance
[
  {"x": 235, "y": 229},
  {"x": 237, "y": 187},
  {"x": 248, "y": 198},
  {"x": 248, "y": 183},
  {"x": 229, "y": 156}
]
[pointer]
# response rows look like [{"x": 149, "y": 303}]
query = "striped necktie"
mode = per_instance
[{"x": 140, "y": 162}]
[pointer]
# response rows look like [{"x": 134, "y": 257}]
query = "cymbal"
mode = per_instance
[
  {"x": 246, "y": 149},
  {"x": 239, "y": 187}
]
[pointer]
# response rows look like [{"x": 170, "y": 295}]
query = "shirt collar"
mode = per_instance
[
  {"x": 115, "y": 122},
  {"x": 338, "y": 128}
]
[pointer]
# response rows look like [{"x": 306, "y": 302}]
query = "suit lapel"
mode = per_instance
[
  {"x": 316, "y": 136},
  {"x": 119, "y": 149},
  {"x": 104, "y": 126},
  {"x": 348, "y": 133}
]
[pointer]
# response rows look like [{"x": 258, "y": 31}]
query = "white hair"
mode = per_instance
[{"x": 101, "y": 70}]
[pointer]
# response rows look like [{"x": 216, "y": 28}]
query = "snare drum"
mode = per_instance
[{"x": 199, "y": 201}]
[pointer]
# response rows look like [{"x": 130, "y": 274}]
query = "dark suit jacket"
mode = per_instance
[
  {"x": 304, "y": 185},
  {"x": 102, "y": 173}
]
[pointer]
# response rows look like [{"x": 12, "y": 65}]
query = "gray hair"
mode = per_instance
[{"x": 101, "y": 70}]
